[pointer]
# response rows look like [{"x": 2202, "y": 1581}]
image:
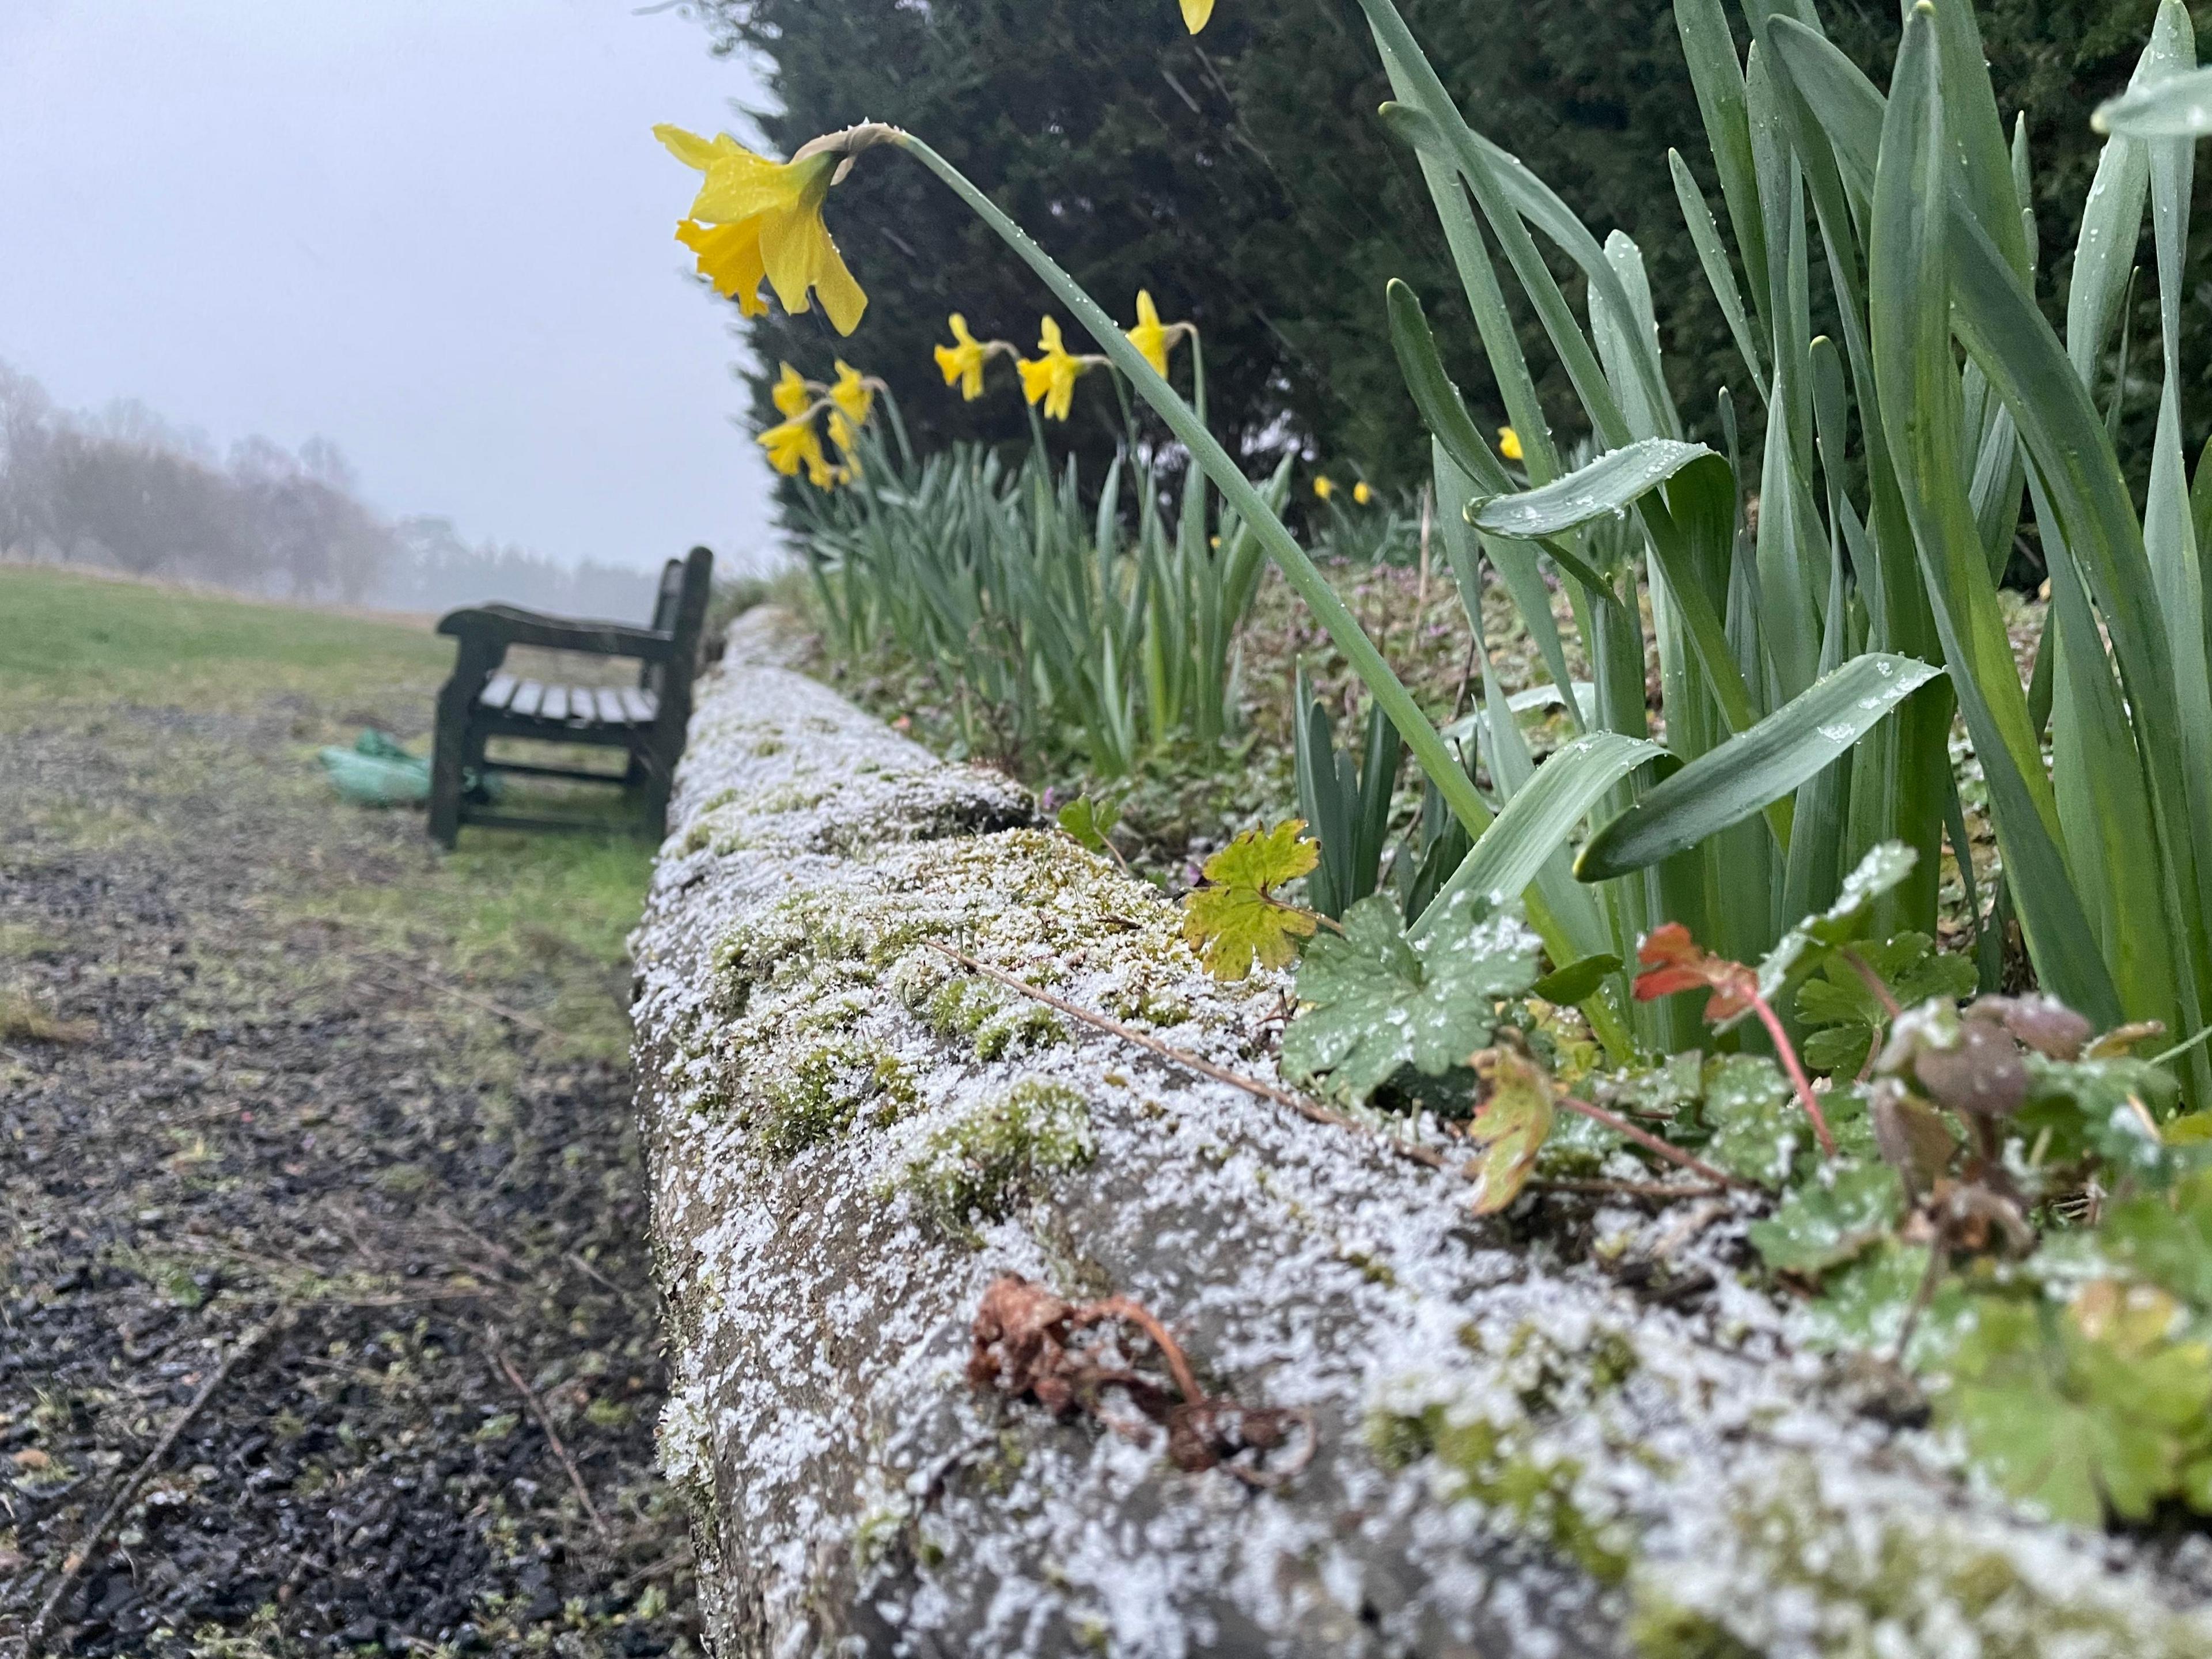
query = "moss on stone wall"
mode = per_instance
[{"x": 979, "y": 1169}]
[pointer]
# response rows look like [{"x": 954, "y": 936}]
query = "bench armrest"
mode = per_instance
[{"x": 508, "y": 625}]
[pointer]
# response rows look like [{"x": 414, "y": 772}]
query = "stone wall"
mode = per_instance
[{"x": 1568, "y": 1430}]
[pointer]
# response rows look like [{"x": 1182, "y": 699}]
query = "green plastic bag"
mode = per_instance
[{"x": 378, "y": 771}]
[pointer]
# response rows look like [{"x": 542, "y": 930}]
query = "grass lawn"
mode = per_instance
[
  {"x": 282, "y": 1081},
  {"x": 139, "y": 672}
]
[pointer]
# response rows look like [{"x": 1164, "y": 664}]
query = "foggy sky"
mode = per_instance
[{"x": 437, "y": 231}]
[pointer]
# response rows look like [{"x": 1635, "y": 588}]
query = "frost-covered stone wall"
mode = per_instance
[{"x": 1565, "y": 1431}]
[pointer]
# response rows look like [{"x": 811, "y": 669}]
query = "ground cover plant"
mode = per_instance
[
  {"x": 284, "y": 1089},
  {"x": 1736, "y": 882}
]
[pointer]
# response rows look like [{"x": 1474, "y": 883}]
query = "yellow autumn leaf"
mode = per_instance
[{"x": 1235, "y": 922}]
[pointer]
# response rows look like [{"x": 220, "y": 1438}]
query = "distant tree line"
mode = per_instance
[
  {"x": 433, "y": 569},
  {"x": 1242, "y": 177},
  {"x": 126, "y": 490}
]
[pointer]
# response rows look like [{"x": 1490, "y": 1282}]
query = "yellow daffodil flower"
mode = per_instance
[
  {"x": 1196, "y": 14},
  {"x": 791, "y": 394},
  {"x": 963, "y": 360},
  {"x": 852, "y": 393},
  {"x": 1361, "y": 493},
  {"x": 793, "y": 444},
  {"x": 758, "y": 220},
  {"x": 1509, "y": 443},
  {"x": 1324, "y": 486},
  {"x": 729, "y": 256},
  {"x": 1152, "y": 337},
  {"x": 1051, "y": 377},
  {"x": 845, "y": 435}
]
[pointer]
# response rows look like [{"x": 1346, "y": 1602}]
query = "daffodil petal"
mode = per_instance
[
  {"x": 688, "y": 148},
  {"x": 729, "y": 258},
  {"x": 787, "y": 252},
  {"x": 840, "y": 295},
  {"x": 1196, "y": 13}
]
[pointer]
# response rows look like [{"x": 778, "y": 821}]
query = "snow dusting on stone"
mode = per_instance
[{"x": 1518, "y": 1456}]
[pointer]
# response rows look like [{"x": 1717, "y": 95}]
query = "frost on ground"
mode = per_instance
[{"x": 851, "y": 1136}]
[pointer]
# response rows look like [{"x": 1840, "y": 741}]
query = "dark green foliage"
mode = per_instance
[
  {"x": 1345, "y": 798},
  {"x": 1244, "y": 178}
]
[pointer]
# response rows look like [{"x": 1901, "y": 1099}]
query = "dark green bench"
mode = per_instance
[{"x": 482, "y": 701}]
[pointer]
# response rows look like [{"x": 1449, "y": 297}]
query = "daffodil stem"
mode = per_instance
[{"x": 1435, "y": 758}]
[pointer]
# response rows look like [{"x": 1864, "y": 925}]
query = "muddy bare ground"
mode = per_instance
[{"x": 237, "y": 1123}]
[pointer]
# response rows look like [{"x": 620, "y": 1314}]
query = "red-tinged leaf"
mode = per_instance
[
  {"x": 1667, "y": 982},
  {"x": 1674, "y": 961},
  {"x": 1510, "y": 1127}
]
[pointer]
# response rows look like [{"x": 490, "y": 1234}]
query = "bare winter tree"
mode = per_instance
[
  {"x": 125, "y": 486},
  {"x": 27, "y": 425},
  {"x": 148, "y": 508}
]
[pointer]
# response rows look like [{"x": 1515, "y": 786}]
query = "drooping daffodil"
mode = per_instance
[
  {"x": 1509, "y": 443},
  {"x": 755, "y": 220},
  {"x": 1196, "y": 14},
  {"x": 791, "y": 394},
  {"x": 963, "y": 360},
  {"x": 853, "y": 394},
  {"x": 1361, "y": 493},
  {"x": 1324, "y": 486},
  {"x": 795, "y": 444},
  {"x": 1154, "y": 338},
  {"x": 1052, "y": 376},
  {"x": 843, "y": 434}
]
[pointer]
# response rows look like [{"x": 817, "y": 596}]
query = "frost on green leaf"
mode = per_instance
[
  {"x": 1510, "y": 1128},
  {"x": 1864, "y": 1305},
  {"x": 1236, "y": 922},
  {"x": 2166, "y": 1239},
  {"x": 1808, "y": 945},
  {"x": 2109, "y": 1109},
  {"x": 1378, "y": 1001},
  {"x": 1843, "y": 1012},
  {"x": 1835, "y": 1216},
  {"x": 1758, "y": 1126},
  {"x": 1088, "y": 822},
  {"x": 2075, "y": 1409}
]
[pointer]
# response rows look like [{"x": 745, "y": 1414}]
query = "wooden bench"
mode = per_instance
[{"x": 482, "y": 701}]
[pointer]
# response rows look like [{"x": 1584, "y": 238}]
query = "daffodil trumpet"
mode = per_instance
[
  {"x": 1437, "y": 760},
  {"x": 961, "y": 362}
]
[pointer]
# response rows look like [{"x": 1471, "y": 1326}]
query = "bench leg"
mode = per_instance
[
  {"x": 660, "y": 783},
  {"x": 446, "y": 760}
]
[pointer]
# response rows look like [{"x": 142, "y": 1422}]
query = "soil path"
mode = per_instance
[{"x": 226, "y": 1109}]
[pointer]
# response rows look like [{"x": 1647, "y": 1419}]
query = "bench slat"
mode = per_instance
[
  {"x": 556, "y": 705},
  {"x": 611, "y": 707},
  {"x": 527, "y": 697},
  {"x": 640, "y": 706},
  {"x": 498, "y": 691}
]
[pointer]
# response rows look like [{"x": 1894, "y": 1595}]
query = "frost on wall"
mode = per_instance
[{"x": 1519, "y": 1454}]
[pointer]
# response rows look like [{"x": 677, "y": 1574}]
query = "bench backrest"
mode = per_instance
[{"x": 680, "y": 610}]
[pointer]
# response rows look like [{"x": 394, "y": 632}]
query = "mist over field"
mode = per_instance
[{"x": 432, "y": 275}]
